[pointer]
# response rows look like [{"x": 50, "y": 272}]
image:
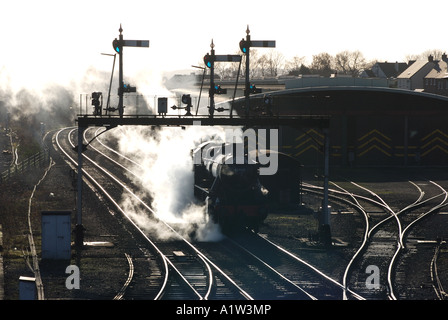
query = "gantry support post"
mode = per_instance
[
  {"x": 120, "y": 75},
  {"x": 79, "y": 229},
  {"x": 324, "y": 227}
]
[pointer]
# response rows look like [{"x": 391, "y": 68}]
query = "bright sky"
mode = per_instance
[{"x": 56, "y": 41}]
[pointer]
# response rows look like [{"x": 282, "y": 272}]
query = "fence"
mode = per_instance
[{"x": 37, "y": 160}]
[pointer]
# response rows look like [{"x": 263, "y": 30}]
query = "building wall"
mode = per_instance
[
  {"x": 372, "y": 141},
  {"x": 436, "y": 86},
  {"x": 404, "y": 83},
  {"x": 417, "y": 80},
  {"x": 368, "y": 126}
]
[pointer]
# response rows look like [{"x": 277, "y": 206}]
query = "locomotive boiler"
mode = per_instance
[{"x": 230, "y": 186}]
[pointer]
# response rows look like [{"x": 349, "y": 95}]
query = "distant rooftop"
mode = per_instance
[
  {"x": 440, "y": 70},
  {"x": 305, "y": 82},
  {"x": 414, "y": 67}
]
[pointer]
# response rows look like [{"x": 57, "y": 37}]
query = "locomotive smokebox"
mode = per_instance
[{"x": 228, "y": 180}]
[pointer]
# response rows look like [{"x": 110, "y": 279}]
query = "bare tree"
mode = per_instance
[
  {"x": 322, "y": 64},
  {"x": 221, "y": 70},
  {"x": 274, "y": 61},
  {"x": 435, "y": 53},
  {"x": 349, "y": 62},
  {"x": 263, "y": 66},
  {"x": 253, "y": 64},
  {"x": 295, "y": 65}
]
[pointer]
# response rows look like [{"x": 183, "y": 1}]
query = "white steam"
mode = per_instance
[
  {"x": 165, "y": 175},
  {"x": 165, "y": 172}
]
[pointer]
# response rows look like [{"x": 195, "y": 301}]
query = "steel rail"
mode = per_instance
[
  {"x": 120, "y": 294},
  {"x": 313, "y": 268},
  {"x": 388, "y": 208},
  {"x": 135, "y": 225},
  {"x": 401, "y": 235},
  {"x": 209, "y": 271},
  {"x": 273, "y": 269},
  {"x": 361, "y": 248},
  {"x": 198, "y": 252},
  {"x": 164, "y": 259},
  {"x": 436, "y": 283},
  {"x": 392, "y": 263},
  {"x": 368, "y": 233},
  {"x": 204, "y": 258}
]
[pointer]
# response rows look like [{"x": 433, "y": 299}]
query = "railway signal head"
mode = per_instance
[
  {"x": 96, "y": 98},
  {"x": 97, "y": 103},
  {"x": 253, "y": 89},
  {"x": 244, "y": 46},
  {"x": 129, "y": 88},
  {"x": 186, "y": 99},
  {"x": 219, "y": 90},
  {"x": 208, "y": 60},
  {"x": 116, "y": 44}
]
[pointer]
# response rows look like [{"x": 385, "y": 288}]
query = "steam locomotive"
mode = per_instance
[{"x": 232, "y": 190}]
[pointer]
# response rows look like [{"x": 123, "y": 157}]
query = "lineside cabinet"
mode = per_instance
[{"x": 56, "y": 235}]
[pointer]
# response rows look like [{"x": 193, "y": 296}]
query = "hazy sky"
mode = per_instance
[{"x": 57, "y": 41}]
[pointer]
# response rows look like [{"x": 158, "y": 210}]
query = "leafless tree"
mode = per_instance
[
  {"x": 274, "y": 61},
  {"x": 221, "y": 70},
  {"x": 322, "y": 64},
  {"x": 349, "y": 62},
  {"x": 262, "y": 66},
  {"x": 253, "y": 64},
  {"x": 436, "y": 53},
  {"x": 295, "y": 65}
]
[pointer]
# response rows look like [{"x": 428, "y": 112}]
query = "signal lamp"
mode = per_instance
[
  {"x": 219, "y": 90},
  {"x": 117, "y": 46},
  {"x": 244, "y": 46},
  {"x": 186, "y": 99},
  {"x": 208, "y": 60}
]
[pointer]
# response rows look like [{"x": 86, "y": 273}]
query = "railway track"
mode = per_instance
[
  {"x": 323, "y": 286},
  {"x": 313, "y": 282},
  {"x": 252, "y": 267},
  {"x": 198, "y": 267},
  {"x": 374, "y": 270},
  {"x": 178, "y": 258}
]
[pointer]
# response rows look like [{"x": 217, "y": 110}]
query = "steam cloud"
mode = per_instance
[
  {"x": 165, "y": 165},
  {"x": 165, "y": 174}
]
